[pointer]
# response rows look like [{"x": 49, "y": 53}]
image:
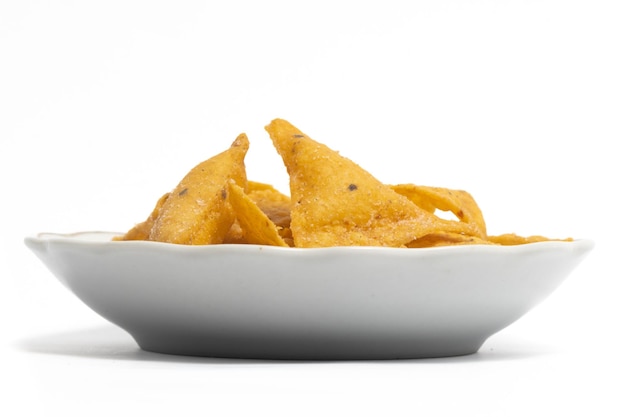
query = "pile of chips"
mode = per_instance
[{"x": 332, "y": 202}]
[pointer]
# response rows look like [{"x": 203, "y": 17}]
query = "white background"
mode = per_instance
[{"x": 105, "y": 105}]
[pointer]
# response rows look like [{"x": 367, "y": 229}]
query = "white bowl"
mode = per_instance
[{"x": 250, "y": 301}]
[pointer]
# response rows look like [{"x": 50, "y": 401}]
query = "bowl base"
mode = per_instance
[{"x": 306, "y": 351}]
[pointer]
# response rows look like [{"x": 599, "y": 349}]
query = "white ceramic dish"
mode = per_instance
[{"x": 249, "y": 301}]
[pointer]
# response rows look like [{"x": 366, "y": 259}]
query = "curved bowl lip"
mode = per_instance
[{"x": 82, "y": 238}]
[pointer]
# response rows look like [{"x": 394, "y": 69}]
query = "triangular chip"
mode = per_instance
[
  {"x": 141, "y": 231},
  {"x": 509, "y": 239},
  {"x": 276, "y": 205},
  {"x": 256, "y": 227},
  {"x": 459, "y": 202},
  {"x": 234, "y": 235},
  {"x": 335, "y": 202},
  {"x": 197, "y": 211},
  {"x": 446, "y": 239}
]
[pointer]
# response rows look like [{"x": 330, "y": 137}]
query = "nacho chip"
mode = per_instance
[
  {"x": 508, "y": 239},
  {"x": 458, "y": 202},
  {"x": 335, "y": 202},
  {"x": 141, "y": 231},
  {"x": 276, "y": 205},
  {"x": 197, "y": 211},
  {"x": 256, "y": 227},
  {"x": 234, "y": 235},
  {"x": 446, "y": 239}
]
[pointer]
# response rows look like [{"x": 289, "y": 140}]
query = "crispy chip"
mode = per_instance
[
  {"x": 459, "y": 202},
  {"x": 337, "y": 203},
  {"x": 197, "y": 211},
  {"x": 234, "y": 234},
  {"x": 508, "y": 239},
  {"x": 276, "y": 205},
  {"x": 141, "y": 231},
  {"x": 333, "y": 202},
  {"x": 256, "y": 227},
  {"x": 446, "y": 239}
]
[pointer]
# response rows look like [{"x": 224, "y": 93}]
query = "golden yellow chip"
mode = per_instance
[
  {"x": 260, "y": 186},
  {"x": 141, "y": 231},
  {"x": 276, "y": 205},
  {"x": 197, "y": 211},
  {"x": 508, "y": 239},
  {"x": 335, "y": 202},
  {"x": 459, "y": 202},
  {"x": 256, "y": 227},
  {"x": 446, "y": 239}
]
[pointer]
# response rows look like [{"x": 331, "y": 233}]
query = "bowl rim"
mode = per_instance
[{"x": 82, "y": 238}]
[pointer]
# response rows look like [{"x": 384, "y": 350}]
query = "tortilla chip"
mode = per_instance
[
  {"x": 272, "y": 202},
  {"x": 256, "y": 227},
  {"x": 446, "y": 239},
  {"x": 335, "y": 202},
  {"x": 141, "y": 231},
  {"x": 458, "y": 202},
  {"x": 234, "y": 235},
  {"x": 508, "y": 239},
  {"x": 197, "y": 211}
]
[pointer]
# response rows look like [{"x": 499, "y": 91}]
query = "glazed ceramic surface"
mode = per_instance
[{"x": 250, "y": 301}]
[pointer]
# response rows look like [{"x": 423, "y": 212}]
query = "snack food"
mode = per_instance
[
  {"x": 256, "y": 226},
  {"x": 197, "y": 211},
  {"x": 459, "y": 202},
  {"x": 332, "y": 202},
  {"x": 335, "y": 202}
]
